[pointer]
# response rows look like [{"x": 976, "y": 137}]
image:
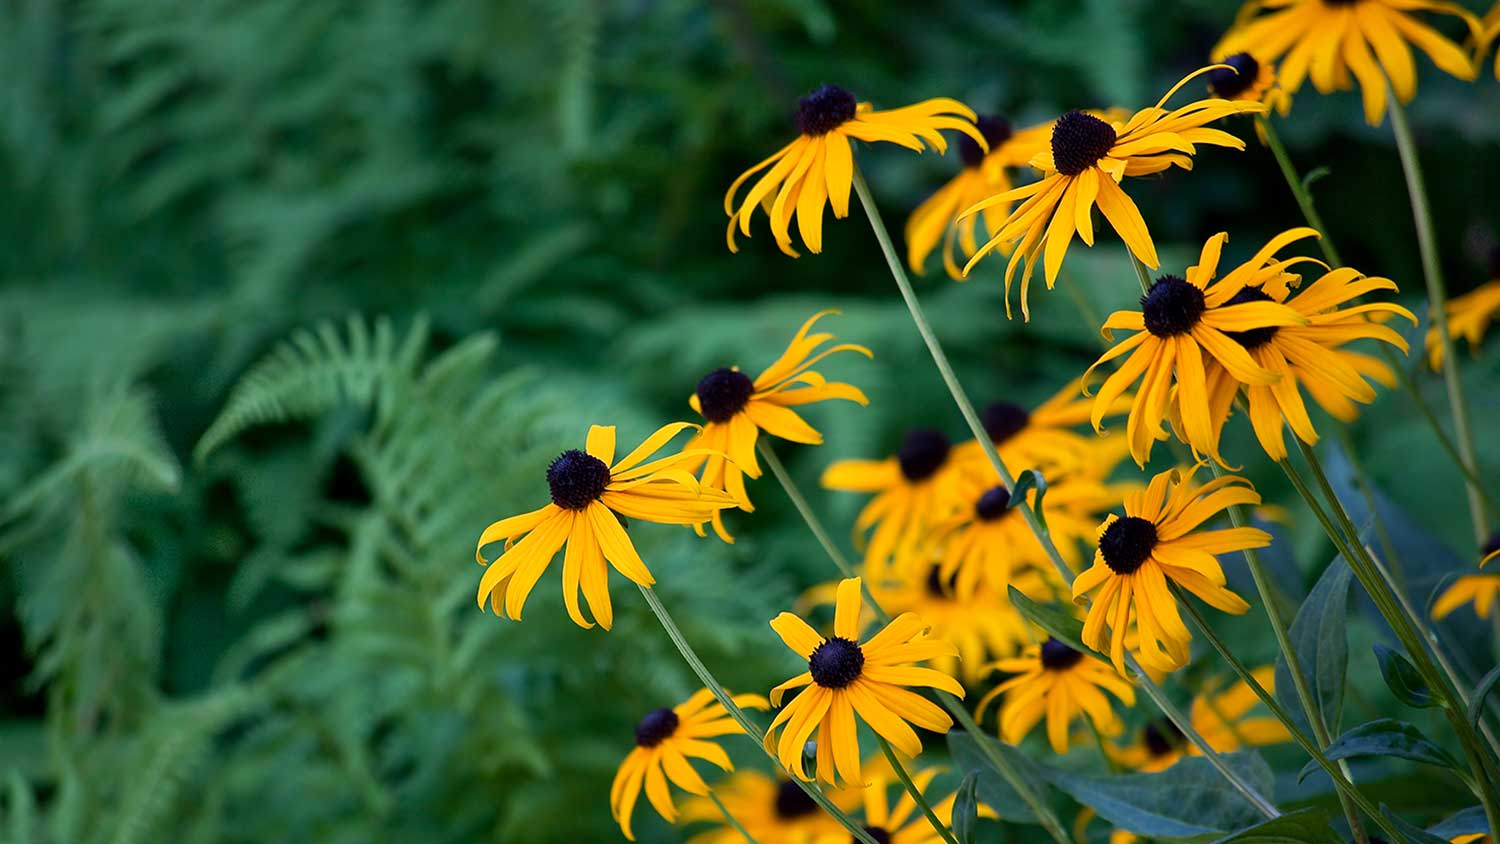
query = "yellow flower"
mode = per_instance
[
  {"x": 1041, "y": 439},
  {"x": 1482, "y": 590},
  {"x": 902, "y": 822},
  {"x": 845, "y": 678},
  {"x": 1054, "y": 680},
  {"x": 1219, "y": 718},
  {"x": 1155, "y": 542},
  {"x": 817, "y": 168},
  {"x": 735, "y": 410},
  {"x": 1491, "y": 33},
  {"x": 587, "y": 493},
  {"x": 1249, "y": 78},
  {"x": 913, "y": 490},
  {"x": 1469, "y": 315},
  {"x": 1180, "y": 320},
  {"x": 1328, "y": 40},
  {"x": 983, "y": 176},
  {"x": 771, "y": 810},
  {"x": 664, "y": 741},
  {"x": 1087, "y": 160},
  {"x": 1308, "y": 357}
]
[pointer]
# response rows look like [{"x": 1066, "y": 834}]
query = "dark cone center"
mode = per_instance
[
  {"x": 993, "y": 504},
  {"x": 937, "y": 587},
  {"x": 1161, "y": 738},
  {"x": 1056, "y": 656},
  {"x": 723, "y": 393},
  {"x": 1255, "y": 337},
  {"x": 792, "y": 801},
  {"x": 877, "y": 833},
  {"x": 1127, "y": 543},
  {"x": 923, "y": 452},
  {"x": 1226, "y": 83},
  {"x": 1491, "y": 546},
  {"x": 576, "y": 479},
  {"x": 656, "y": 728},
  {"x": 1078, "y": 142},
  {"x": 825, "y": 109},
  {"x": 1172, "y": 306},
  {"x": 836, "y": 663},
  {"x": 996, "y": 131},
  {"x": 1003, "y": 420}
]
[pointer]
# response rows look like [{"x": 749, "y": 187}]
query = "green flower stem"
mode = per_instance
[
  {"x": 1335, "y": 771},
  {"x": 749, "y": 839},
  {"x": 1086, "y": 310},
  {"x": 1299, "y": 190},
  {"x": 754, "y": 732},
  {"x": 916, "y": 793},
  {"x": 954, "y": 706},
  {"x": 1437, "y": 296}
]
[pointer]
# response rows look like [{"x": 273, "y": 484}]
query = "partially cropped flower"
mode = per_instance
[
  {"x": 1043, "y": 439},
  {"x": 1469, "y": 315},
  {"x": 769, "y": 809},
  {"x": 664, "y": 742},
  {"x": 1156, "y": 541},
  {"x": 1088, "y": 159},
  {"x": 736, "y": 410},
  {"x": 1482, "y": 590},
  {"x": 817, "y": 169},
  {"x": 936, "y": 220},
  {"x": 1249, "y": 78},
  {"x": 845, "y": 678},
  {"x": 913, "y": 490},
  {"x": 1489, "y": 36},
  {"x": 1328, "y": 40},
  {"x": 1310, "y": 358},
  {"x": 1219, "y": 717},
  {"x": 1184, "y": 323},
  {"x": 1054, "y": 680},
  {"x": 902, "y": 822},
  {"x": 588, "y": 497}
]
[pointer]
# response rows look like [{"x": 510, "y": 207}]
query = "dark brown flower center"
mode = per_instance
[
  {"x": 923, "y": 452},
  {"x": 1162, "y": 738},
  {"x": 993, "y": 504},
  {"x": 656, "y": 728},
  {"x": 825, "y": 109},
  {"x": 937, "y": 587},
  {"x": 836, "y": 663},
  {"x": 1172, "y": 306},
  {"x": 1255, "y": 337},
  {"x": 1127, "y": 543},
  {"x": 996, "y": 131},
  {"x": 1079, "y": 140},
  {"x": 1058, "y": 657},
  {"x": 1490, "y": 546},
  {"x": 878, "y": 833},
  {"x": 1003, "y": 420},
  {"x": 792, "y": 801},
  {"x": 576, "y": 479},
  {"x": 1226, "y": 83},
  {"x": 723, "y": 393}
]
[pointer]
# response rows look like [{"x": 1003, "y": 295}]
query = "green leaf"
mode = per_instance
[
  {"x": 1304, "y": 826},
  {"x": 1386, "y": 737},
  {"x": 1025, "y": 482},
  {"x": 1482, "y": 691},
  {"x": 1190, "y": 798},
  {"x": 1403, "y": 679},
  {"x": 1063, "y": 626},
  {"x": 966, "y": 808},
  {"x": 1465, "y": 822},
  {"x": 1411, "y": 832},
  {"x": 991, "y": 787},
  {"x": 1322, "y": 649},
  {"x": 1313, "y": 176}
]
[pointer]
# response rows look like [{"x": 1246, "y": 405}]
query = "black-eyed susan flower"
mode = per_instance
[
  {"x": 1182, "y": 324},
  {"x": 1087, "y": 160},
  {"x": 913, "y": 490},
  {"x": 1219, "y": 717},
  {"x": 1053, "y": 680},
  {"x": 936, "y": 220},
  {"x": 1247, "y": 78},
  {"x": 902, "y": 821},
  {"x": 1491, "y": 34},
  {"x": 817, "y": 169},
  {"x": 771, "y": 810},
  {"x": 846, "y": 678},
  {"x": 1469, "y": 315},
  {"x": 1156, "y": 541},
  {"x": 1482, "y": 590},
  {"x": 588, "y": 497},
  {"x": 1043, "y": 439},
  {"x": 736, "y": 410},
  {"x": 1328, "y": 40},
  {"x": 664, "y": 742}
]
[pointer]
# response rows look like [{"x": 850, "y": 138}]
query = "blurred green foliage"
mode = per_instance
[{"x": 236, "y": 602}]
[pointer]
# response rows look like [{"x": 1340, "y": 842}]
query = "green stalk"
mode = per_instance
[
  {"x": 706, "y": 677},
  {"x": 916, "y": 793},
  {"x": 814, "y": 524},
  {"x": 749, "y": 839},
  {"x": 1438, "y": 298}
]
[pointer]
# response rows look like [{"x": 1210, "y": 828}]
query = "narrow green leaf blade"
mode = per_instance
[
  {"x": 1386, "y": 737},
  {"x": 1063, "y": 627},
  {"x": 1304, "y": 826},
  {"x": 1318, "y": 637},
  {"x": 1190, "y": 798},
  {"x": 991, "y": 787},
  {"x": 1482, "y": 691},
  {"x": 966, "y": 808},
  {"x": 1403, "y": 679},
  {"x": 1411, "y": 832}
]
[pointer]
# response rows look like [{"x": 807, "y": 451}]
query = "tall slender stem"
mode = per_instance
[
  {"x": 749, "y": 839},
  {"x": 1299, "y": 190},
  {"x": 706, "y": 677},
  {"x": 1437, "y": 296},
  {"x": 805, "y": 510},
  {"x": 916, "y": 793}
]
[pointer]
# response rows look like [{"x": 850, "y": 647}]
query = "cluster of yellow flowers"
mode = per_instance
[{"x": 945, "y": 536}]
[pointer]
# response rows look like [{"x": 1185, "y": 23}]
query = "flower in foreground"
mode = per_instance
[
  {"x": 1088, "y": 159},
  {"x": 736, "y": 410},
  {"x": 817, "y": 168},
  {"x": 664, "y": 742},
  {"x": 1469, "y": 315},
  {"x": 1181, "y": 323},
  {"x": 771, "y": 810},
  {"x": 1328, "y": 40},
  {"x": 1482, "y": 590},
  {"x": 903, "y": 822},
  {"x": 588, "y": 497},
  {"x": 846, "y": 678},
  {"x": 1156, "y": 541},
  {"x": 1054, "y": 680},
  {"x": 1219, "y": 717}
]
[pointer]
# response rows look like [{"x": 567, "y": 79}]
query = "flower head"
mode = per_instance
[
  {"x": 1469, "y": 315},
  {"x": 1244, "y": 77},
  {"x": 1335, "y": 42},
  {"x": 902, "y": 821},
  {"x": 845, "y": 678},
  {"x": 1156, "y": 541},
  {"x": 665, "y": 739},
  {"x": 817, "y": 168},
  {"x": 1041, "y": 438},
  {"x": 736, "y": 409},
  {"x": 769, "y": 809},
  {"x": 1087, "y": 160},
  {"x": 1054, "y": 680},
  {"x": 590, "y": 491},
  {"x": 1482, "y": 590},
  {"x": 1220, "y": 717}
]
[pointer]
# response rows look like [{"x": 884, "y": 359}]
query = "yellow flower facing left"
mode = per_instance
[
  {"x": 817, "y": 169},
  {"x": 1469, "y": 315},
  {"x": 590, "y": 492},
  {"x": 1221, "y": 717},
  {"x": 1054, "y": 681}
]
